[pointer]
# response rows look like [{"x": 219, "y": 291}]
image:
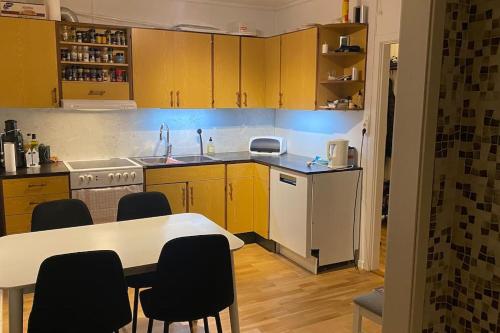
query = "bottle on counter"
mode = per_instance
[{"x": 210, "y": 147}]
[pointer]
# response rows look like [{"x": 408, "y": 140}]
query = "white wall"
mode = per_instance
[
  {"x": 165, "y": 13},
  {"x": 307, "y": 132},
  {"x": 75, "y": 135}
]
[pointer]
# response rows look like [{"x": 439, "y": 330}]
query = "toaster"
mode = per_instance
[{"x": 267, "y": 145}]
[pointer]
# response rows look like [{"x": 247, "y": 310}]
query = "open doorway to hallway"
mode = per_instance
[{"x": 390, "y": 79}]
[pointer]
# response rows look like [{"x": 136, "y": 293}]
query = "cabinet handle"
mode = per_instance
[
  {"x": 36, "y": 185},
  {"x": 281, "y": 100},
  {"x": 178, "y": 93},
  {"x": 183, "y": 197},
  {"x": 192, "y": 195},
  {"x": 54, "y": 96},
  {"x": 171, "y": 98},
  {"x": 245, "y": 99},
  {"x": 231, "y": 191},
  {"x": 238, "y": 99}
]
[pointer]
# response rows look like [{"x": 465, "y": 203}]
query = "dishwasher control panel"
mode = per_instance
[{"x": 106, "y": 178}]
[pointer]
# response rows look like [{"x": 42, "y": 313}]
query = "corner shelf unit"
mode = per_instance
[
  {"x": 84, "y": 78},
  {"x": 341, "y": 63}
]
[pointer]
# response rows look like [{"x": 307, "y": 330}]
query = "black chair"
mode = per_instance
[
  {"x": 80, "y": 293},
  {"x": 136, "y": 206},
  {"x": 194, "y": 281},
  {"x": 60, "y": 214}
]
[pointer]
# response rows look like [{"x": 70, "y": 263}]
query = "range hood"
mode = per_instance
[{"x": 98, "y": 105}]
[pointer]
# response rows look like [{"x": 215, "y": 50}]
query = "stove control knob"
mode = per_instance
[
  {"x": 125, "y": 176},
  {"x": 132, "y": 175},
  {"x": 111, "y": 177},
  {"x": 90, "y": 178},
  {"x": 82, "y": 179},
  {"x": 118, "y": 176}
]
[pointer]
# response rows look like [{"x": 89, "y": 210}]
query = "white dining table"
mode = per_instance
[{"x": 137, "y": 242}]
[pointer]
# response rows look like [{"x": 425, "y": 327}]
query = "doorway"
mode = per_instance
[{"x": 386, "y": 96}]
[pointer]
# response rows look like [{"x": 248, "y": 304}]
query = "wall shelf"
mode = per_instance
[
  {"x": 345, "y": 82},
  {"x": 82, "y": 88},
  {"x": 94, "y": 45},
  {"x": 93, "y": 64},
  {"x": 344, "y": 54},
  {"x": 342, "y": 63}
]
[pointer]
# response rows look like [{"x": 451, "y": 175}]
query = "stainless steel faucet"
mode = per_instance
[{"x": 168, "y": 145}]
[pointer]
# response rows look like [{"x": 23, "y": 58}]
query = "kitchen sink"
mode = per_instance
[
  {"x": 159, "y": 160},
  {"x": 195, "y": 159}
]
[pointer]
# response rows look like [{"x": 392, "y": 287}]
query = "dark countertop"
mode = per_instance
[
  {"x": 52, "y": 169},
  {"x": 290, "y": 162}
]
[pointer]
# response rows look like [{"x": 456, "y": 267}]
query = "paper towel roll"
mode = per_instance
[
  {"x": 10, "y": 157},
  {"x": 53, "y": 9}
]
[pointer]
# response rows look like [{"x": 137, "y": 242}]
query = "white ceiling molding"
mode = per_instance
[{"x": 253, "y": 4}]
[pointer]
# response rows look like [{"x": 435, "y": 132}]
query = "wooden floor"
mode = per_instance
[
  {"x": 383, "y": 249},
  {"x": 275, "y": 296}
]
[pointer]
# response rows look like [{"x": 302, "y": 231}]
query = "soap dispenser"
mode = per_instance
[{"x": 211, "y": 147}]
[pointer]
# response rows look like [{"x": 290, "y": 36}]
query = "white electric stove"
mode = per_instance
[
  {"x": 104, "y": 173},
  {"x": 102, "y": 183}
]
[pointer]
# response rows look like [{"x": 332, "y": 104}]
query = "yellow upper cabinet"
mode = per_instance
[
  {"x": 227, "y": 71},
  {"x": 298, "y": 69},
  {"x": 153, "y": 64},
  {"x": 28, "y": 63},
  {"x": 192, "y": 70},
  {"x": 252, "y": 72},
  {"x": 272, "y": 56}
]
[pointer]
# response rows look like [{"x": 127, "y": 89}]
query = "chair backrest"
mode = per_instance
[
  {"x": 142, "y": 205},
  {"x": 80, "y": 292},
  {"x": 195, "y": 276},
  {"x": 60, "y": 214}
]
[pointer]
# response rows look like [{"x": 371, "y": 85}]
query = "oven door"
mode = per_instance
[{"x": 103, "y": 202}]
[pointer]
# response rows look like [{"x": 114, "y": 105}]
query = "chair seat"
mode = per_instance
[
  {"x": 166, "y": 313},
  {"x": 144, "y": 280},
  {"x": 373, "y": 302}
]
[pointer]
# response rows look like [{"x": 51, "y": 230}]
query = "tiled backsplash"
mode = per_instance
[
  {"x": 75, "y": 135},
  {"x": 89, "y": 135},
  {"x": 463, "y": 270}
]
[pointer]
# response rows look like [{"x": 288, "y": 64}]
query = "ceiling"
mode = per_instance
[{"x": 266, "y": 4}]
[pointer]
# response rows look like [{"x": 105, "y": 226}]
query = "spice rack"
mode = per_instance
[
  {"x": 94, "y": 61},
  {"x": 335, "y": 69}
]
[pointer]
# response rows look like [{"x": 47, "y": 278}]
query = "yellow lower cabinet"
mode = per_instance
[
  {"x": 17, "y": 224},
  {"x": 175, "y": 193},
  {"x": 240, "y": 203},
  {"x": 261, "y": 200},
  {"x": 206, "y": 197}
]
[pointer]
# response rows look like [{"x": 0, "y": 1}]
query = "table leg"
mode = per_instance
[
  {"x": 233, "y": 308},
  {"x": 15, "y": 311}
]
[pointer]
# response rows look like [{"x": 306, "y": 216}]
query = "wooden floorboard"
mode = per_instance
[{"x": 275, "y": 296}]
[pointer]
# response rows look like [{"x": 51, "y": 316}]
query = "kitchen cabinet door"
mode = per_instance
[
  {"x": 298, "y": 69},
  {"x": 252, "y": 72},
  {"x": 192, "y": 70},
  {"x": 261, "y": 200},
  {"x": 227, "y": 71},
  {"x": 272, "y": 57},
  {"x": 175, "y": 193},
  {"x": 28, "y": 64},
  {"x": 206, "y": 197},
  {"x": 240, "y": 204},
  {"x": 153, "y": 68}
]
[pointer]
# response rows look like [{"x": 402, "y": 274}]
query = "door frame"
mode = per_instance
[{"x": 412, "y": 171}]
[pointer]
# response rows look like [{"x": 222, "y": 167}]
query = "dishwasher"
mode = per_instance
[{"x": 312, "y": 217}]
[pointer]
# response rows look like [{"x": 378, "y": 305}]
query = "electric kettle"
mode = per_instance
[{"x": 337, "y": 152}]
